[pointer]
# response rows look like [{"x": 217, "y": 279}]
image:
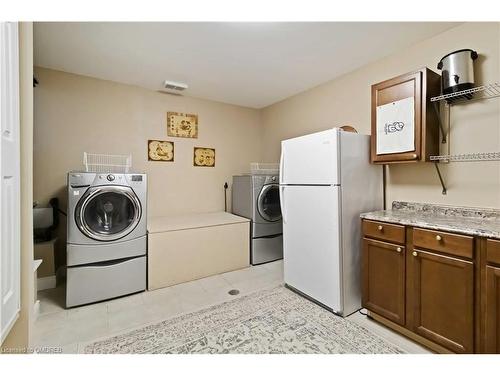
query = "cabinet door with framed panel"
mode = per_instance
[
  {"x": 491, "y": 295},
  {"x": 383, "y": 279},
  {"x": 492, "y": 318},
  {"x": 441, "y": 299},
  {"x": 404, "y": 126}
]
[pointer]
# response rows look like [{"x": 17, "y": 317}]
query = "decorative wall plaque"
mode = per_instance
[
  {"x": 183, "y": 125},
  {"x": 160, "y": 150},
  {"x": 204, "y": 157}
]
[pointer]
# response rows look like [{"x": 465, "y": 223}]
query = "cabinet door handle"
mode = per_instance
[
  {"x": 438, "y": 238},
  {"x": 399, "y": 249},
  {"x": 380, "y": 227},
  {"x": 414, "y": 253}
]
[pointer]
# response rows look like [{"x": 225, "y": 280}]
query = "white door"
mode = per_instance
[
  {"x": 311, "y": 242},
  {"x": 311, "y": 159},
  {"x": 9, "y": 185}
]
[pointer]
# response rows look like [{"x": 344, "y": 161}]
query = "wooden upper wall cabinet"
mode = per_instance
[{"x": 393, "y": 101}]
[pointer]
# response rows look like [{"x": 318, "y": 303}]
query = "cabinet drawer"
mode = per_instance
[
  {"x": 493, "y": 251},
  {"x": 453, "y": 244},
  {"x": 384, "y": 231}
]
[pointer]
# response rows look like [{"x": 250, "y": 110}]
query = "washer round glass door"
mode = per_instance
[
  {"x": 107, "y": 213},
  {"x": 268, "y": 202}
]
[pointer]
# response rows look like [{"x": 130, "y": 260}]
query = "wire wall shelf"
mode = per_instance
[
  {"x": 103, "y": 163},
  {"x": 488, "y": 91},
  {"x": 478, "y": 156}
]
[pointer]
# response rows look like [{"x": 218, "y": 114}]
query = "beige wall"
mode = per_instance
[
  {"x": 19, "y": 337},
  {"x": 74, "y": 114},
  {"x": 346, "y": 100}
]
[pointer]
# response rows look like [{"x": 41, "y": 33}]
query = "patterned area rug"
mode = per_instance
[{"x": 269, "y": 321}]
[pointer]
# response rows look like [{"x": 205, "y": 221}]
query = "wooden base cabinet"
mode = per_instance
[
  {"x": 429, "y": 286},
  {"x": 384, "y": 279},
  {"x": 441, "y": 299}
]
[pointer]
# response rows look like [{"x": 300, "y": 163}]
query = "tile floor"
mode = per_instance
[{"x": 57, "y": 327}]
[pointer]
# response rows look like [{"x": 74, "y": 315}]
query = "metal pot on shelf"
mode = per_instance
[{"x": 457, "y": 71}]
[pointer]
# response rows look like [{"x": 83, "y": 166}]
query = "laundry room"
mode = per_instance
[
  {"x": 165, "y": 188},
  {"x": 253, "y": 187}
]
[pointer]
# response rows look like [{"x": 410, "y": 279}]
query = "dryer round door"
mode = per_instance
[
  {"x": 268, "y": 203},
  {"x": 107, "y": 213}
]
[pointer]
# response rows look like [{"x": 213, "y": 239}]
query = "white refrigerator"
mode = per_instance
[{"x": 326, "y": 181}]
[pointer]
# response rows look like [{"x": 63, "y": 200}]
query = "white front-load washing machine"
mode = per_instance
[
  {"x": 106, "y": 241},
  {"x": 256, "y": 197}
]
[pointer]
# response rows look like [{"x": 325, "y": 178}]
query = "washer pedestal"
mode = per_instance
[
  {"x": 266, "y": 249},
  {"x": 97, "y": 282}
]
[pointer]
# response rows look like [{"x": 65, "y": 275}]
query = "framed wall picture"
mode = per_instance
[
  {"x": 160, "y": 150},
  {"x": 204, "y": 157},
  {"x": 183, "y": 125}
]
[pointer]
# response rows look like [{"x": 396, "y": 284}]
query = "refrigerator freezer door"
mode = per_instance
[
  {"x": 311, "y": 240},
  {"x": 311, "y": 159}
]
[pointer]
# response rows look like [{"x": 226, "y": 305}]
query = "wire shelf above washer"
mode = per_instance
[
  {"x": 264, "y": 168},
  {"x": 488, "y": 91},
  {"x": 103, "y": 163}
]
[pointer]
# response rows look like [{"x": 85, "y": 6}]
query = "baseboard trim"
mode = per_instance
[
  {"x": 411, "y": 335},
  {"x": 47, "y": 282}
]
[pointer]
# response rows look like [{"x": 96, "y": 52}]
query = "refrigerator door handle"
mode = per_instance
[
  {"x": 282, "y": 203},
  {"x": 282, "y": 169}
]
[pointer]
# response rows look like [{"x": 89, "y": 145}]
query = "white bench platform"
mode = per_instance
[{"x": 190, "y": 247}]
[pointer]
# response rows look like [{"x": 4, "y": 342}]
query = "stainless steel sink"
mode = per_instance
[{"x": 42, "y": 217}]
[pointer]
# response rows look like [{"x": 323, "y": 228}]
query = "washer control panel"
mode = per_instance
[
  {"x": 86, "y": 179},
  {"x": 110, "y": 177}
]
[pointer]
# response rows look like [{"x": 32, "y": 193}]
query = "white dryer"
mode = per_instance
[
  {"x": 106, "y": 242},
  {"x": 256, "y": 197}
]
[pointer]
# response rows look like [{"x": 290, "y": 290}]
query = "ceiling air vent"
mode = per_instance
[{"x": 175, "y": 86}]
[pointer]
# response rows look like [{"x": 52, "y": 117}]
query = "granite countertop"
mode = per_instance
[{"x": 483, "y": 222}]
